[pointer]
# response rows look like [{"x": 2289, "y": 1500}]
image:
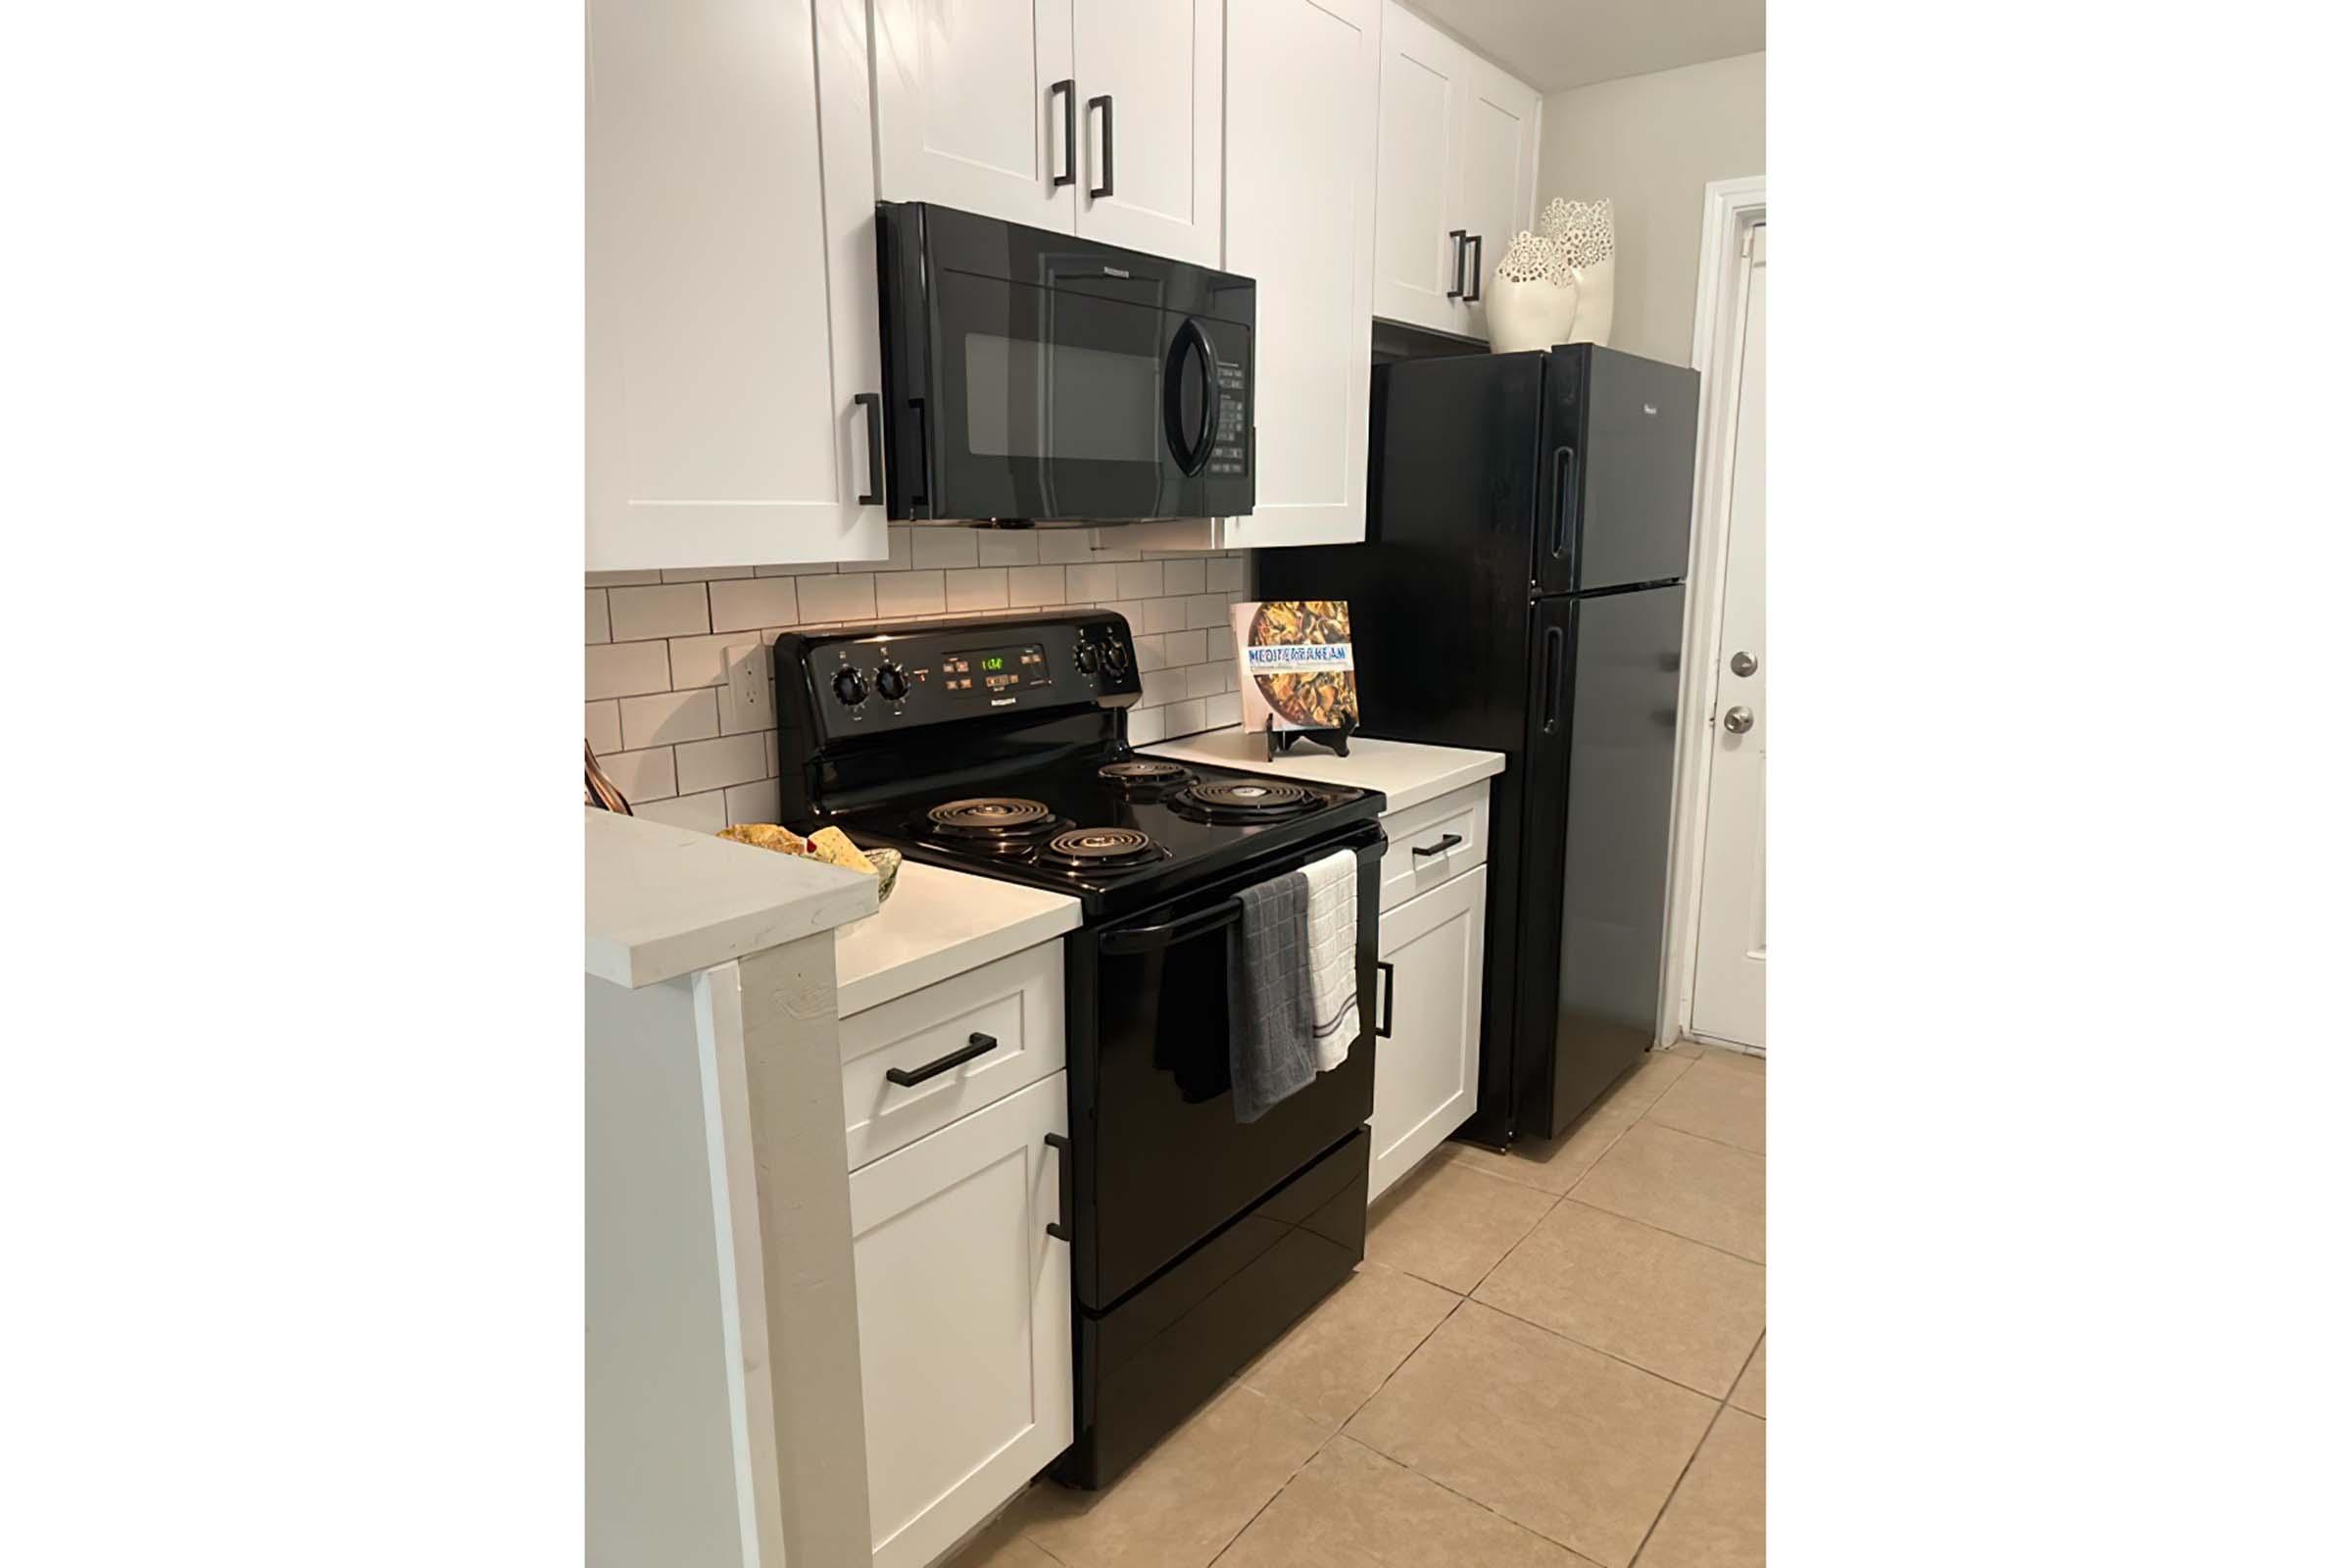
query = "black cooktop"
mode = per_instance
[{"x": 1121, "y": 834}]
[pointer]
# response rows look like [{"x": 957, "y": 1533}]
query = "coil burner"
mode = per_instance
[
  {"x": 1245, "y": 801},
  {"x": 1145, "y": 773},
  {"x": 1101, "y": 849},
  {"x": 994, "y": 825}
]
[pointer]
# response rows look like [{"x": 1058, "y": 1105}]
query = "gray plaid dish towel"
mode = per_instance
[{"x": 1271, "y": 1037}]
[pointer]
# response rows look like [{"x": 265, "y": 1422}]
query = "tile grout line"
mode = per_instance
[
  {"x": 1570, "y": 1338},
  {"x": 1674, "y": 1490},
  {"x": 1653, "y": 1225}
]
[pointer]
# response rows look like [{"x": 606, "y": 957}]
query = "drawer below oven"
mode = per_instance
[{"x": 966, "y": 1041}]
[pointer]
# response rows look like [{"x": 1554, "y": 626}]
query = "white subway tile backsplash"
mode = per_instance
[
  {"x": 847, "y": 596},
  {"x": 979, "y": 589},
  {"x": 902, "y": 547},
  {"x": 600, "y": 620},
  {"x": 1139, "y": 579},
  {"x": 1164, "y": 614},
  {"x": 753, "y": 603},
  {"x": 797, "y": 568},
  {"x": 669, "y": 718},
  {"x": 704, "y": 573},
  {"x": 703, "y": 661},
  {"x": 1035, "y": 585},
  {"x": 1145, "y": 725},
  {"x": 1220, "y": 642},
  {"x": 1223, "y": 710},
  {"x": 1064, "y": 547},
  {"x": 898, "y": 593},
  {"x": 729, "y": 759},
  {"x": 755, "y": 802},
  {"x": 677, "y": 610},
  {"x": 1186, "y": 646},
  {"x": 1186, "y": 717},
  {"x": 1133, "y": 610},
  {"x": 1006, "y": 547},
  {"x": 1183, "y": 577},
  {"x": 1207, "y": 609},
  {"x": 650, "y": 775},
  {"x": 1150, "y": 653},
  {"x": 1160, "y": 687},
  {"x": 1094, "y": 582},
  {"x": 1204, "y": 680},
  {"x": 623, "y": 670},
  {"x": 700, "y": 814},
  {"x": 620, "y": 579},
  {"x": 603, "y": 727},
  {"x": 1224, "y": 574},
  {"x": 946, "y": 547}
]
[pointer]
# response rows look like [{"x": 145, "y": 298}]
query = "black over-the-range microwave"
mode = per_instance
[{"x": 1041, "y": 377}]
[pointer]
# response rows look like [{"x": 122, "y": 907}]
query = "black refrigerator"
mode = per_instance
[{"x": 1520, "y": 590}]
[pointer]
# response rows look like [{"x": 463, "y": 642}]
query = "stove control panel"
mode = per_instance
[{"x": 874, "y": 681}]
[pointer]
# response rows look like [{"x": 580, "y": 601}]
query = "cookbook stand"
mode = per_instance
[{"x": 1279, "y": 741}]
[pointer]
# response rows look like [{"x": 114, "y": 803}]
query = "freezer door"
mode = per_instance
[
  {"x": 1620, "y": 437},
  {"x": 1598, "y": 807}
]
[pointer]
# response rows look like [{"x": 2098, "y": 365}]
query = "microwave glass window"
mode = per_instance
[{"x": 1025, "y": 399}]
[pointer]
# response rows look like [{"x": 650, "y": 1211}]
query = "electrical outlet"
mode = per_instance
[{"x": 751, "y": 703}]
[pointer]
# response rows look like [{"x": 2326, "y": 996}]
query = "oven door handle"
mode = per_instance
[{"x": 1153, "y": 938}]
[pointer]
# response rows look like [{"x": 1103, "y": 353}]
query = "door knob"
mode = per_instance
[
  {"x": 1743, "y": 664},
  {"x": 1738, "y": 720}
]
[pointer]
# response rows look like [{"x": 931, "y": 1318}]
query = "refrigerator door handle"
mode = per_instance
[
  {"x": 1555, "y": 648},
  {"x": 1563, "y": 494}
]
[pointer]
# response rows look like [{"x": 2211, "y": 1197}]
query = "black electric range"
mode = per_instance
[{"x": 998, "y": 747}]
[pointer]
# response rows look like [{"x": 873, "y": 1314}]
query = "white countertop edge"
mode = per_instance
[
  {"x": 945, "y": 963},
  {"x": 939, "y": 924},
  {"x": 664, "y": 900},
  {"x": 1407, "y": 772}
]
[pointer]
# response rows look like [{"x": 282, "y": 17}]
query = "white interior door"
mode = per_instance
[
  {"x": 1154, "y": 147},
  {"x": 1726, "y": 1002},
  {"x": 965, "y": 113},
  {"x": 1302, "y": 84}
]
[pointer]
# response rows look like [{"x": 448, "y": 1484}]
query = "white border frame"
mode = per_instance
[{"x": 1731, "y": 211}]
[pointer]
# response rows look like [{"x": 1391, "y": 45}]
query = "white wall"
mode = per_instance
[
  {"x": 656, "y": 639},
  {"x": 1650, "y": 144}
]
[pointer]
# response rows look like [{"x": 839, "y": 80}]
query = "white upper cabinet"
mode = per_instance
[
  {"x": 1151, "y": 85},
  {"x": 1302, "y": 80},
  {"x": 968, "y": 112},
  {"x": 730, "y": 228},
  {"x": 1457, "y": 176},
  {"x": 1099, "y": 117},
  {"x": 1498, "y": 172}
]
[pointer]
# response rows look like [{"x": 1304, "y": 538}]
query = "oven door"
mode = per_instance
[
  {"x": 1101, "y": 402},
  {"x": 1161, "y": 1163}
]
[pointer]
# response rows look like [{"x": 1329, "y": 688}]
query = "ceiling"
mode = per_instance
[{"x": 1551, "y": 44}]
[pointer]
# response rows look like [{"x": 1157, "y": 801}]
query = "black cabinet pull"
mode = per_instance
[
  {"x": 1461, "y": 249},
  {"x": 1068, "y": 90},
  {"x": 1478, "y": 265},
  {"x": 1438, "y": 847},
  {"x": 1388, "y": 998},
  {"x": 1060, "y": 1228},
  {"x": 871, "y": 402},
  {"x": 981, "y": 1045},
  {"x": 1108, "y": 156}
]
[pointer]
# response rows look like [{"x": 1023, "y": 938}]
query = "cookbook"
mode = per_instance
[{"x": 1297, "y": 664}]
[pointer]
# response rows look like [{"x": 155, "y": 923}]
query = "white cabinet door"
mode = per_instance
[
  {"x": 1151, "y": 97},
  {"x": 966, "y": 111},
  {"x": 1501, "y": 119},
  {"x": 1302, "y": 112},
  {"x": 964, "y": 1320},
  {"x": 1423, "y": 87},
  {"x": 730, "y": 228},
  {"x": 1433, "y": 952}
]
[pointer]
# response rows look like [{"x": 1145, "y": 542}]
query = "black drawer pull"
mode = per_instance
[
  {"x": 1438, "y": 847},
  {"x": 1060, "y": 1228},
  {"x": 1388, "y": 998},
  {"x": 905, "y": 1078}
]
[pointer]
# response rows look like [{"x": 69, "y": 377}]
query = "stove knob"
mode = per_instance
[
  {"x": 850, "y": 687},
  {"x": 1087, "y": 657},
  {"x": 1114, "y": 658},
  {"x": 890, "y": 681}
]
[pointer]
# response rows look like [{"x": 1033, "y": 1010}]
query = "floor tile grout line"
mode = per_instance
[
  {"x": 1743, "y": 1367},
  {"x": 1321, "y": 1444},
  {"x": 1653, "y": 1225},
  {"x": 1647, "y": 1371},
  {"x": 1701, "y": 1137},
  {"x": 1675, "y": 1489}
]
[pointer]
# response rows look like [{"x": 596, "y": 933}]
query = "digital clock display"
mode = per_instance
[{"x": 995, "y": 672}]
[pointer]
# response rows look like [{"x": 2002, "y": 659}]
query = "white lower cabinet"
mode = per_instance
[
  {"x": 1432, "y": 951},
  {"x": 964, "y": 1320}
]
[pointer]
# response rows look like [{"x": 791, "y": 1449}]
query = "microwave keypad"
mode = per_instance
[{"x": 1229, "y": 451}]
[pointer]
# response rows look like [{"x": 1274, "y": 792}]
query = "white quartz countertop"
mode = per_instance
[
  {"x": 667, "y": 900},
  {"x": 1405, "y": 772},
  {"x": 940, "y": 923}
]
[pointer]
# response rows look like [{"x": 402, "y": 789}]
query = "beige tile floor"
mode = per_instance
[{"x": 1550, "y": 1358}]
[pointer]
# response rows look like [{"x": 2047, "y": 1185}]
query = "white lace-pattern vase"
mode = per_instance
[
  {"x": 1532, "y": 313},
  {"x": 1596, "y": 303}
]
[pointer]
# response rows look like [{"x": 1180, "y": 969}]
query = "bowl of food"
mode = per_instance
[
  {"x": 1312, "y": 698},
  {"x": 827, "y": 843}
]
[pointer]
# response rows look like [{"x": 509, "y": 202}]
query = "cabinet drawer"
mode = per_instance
[
  {"x": 1462, "y": 815},
  {"x": 1017, "y": 1003}
]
